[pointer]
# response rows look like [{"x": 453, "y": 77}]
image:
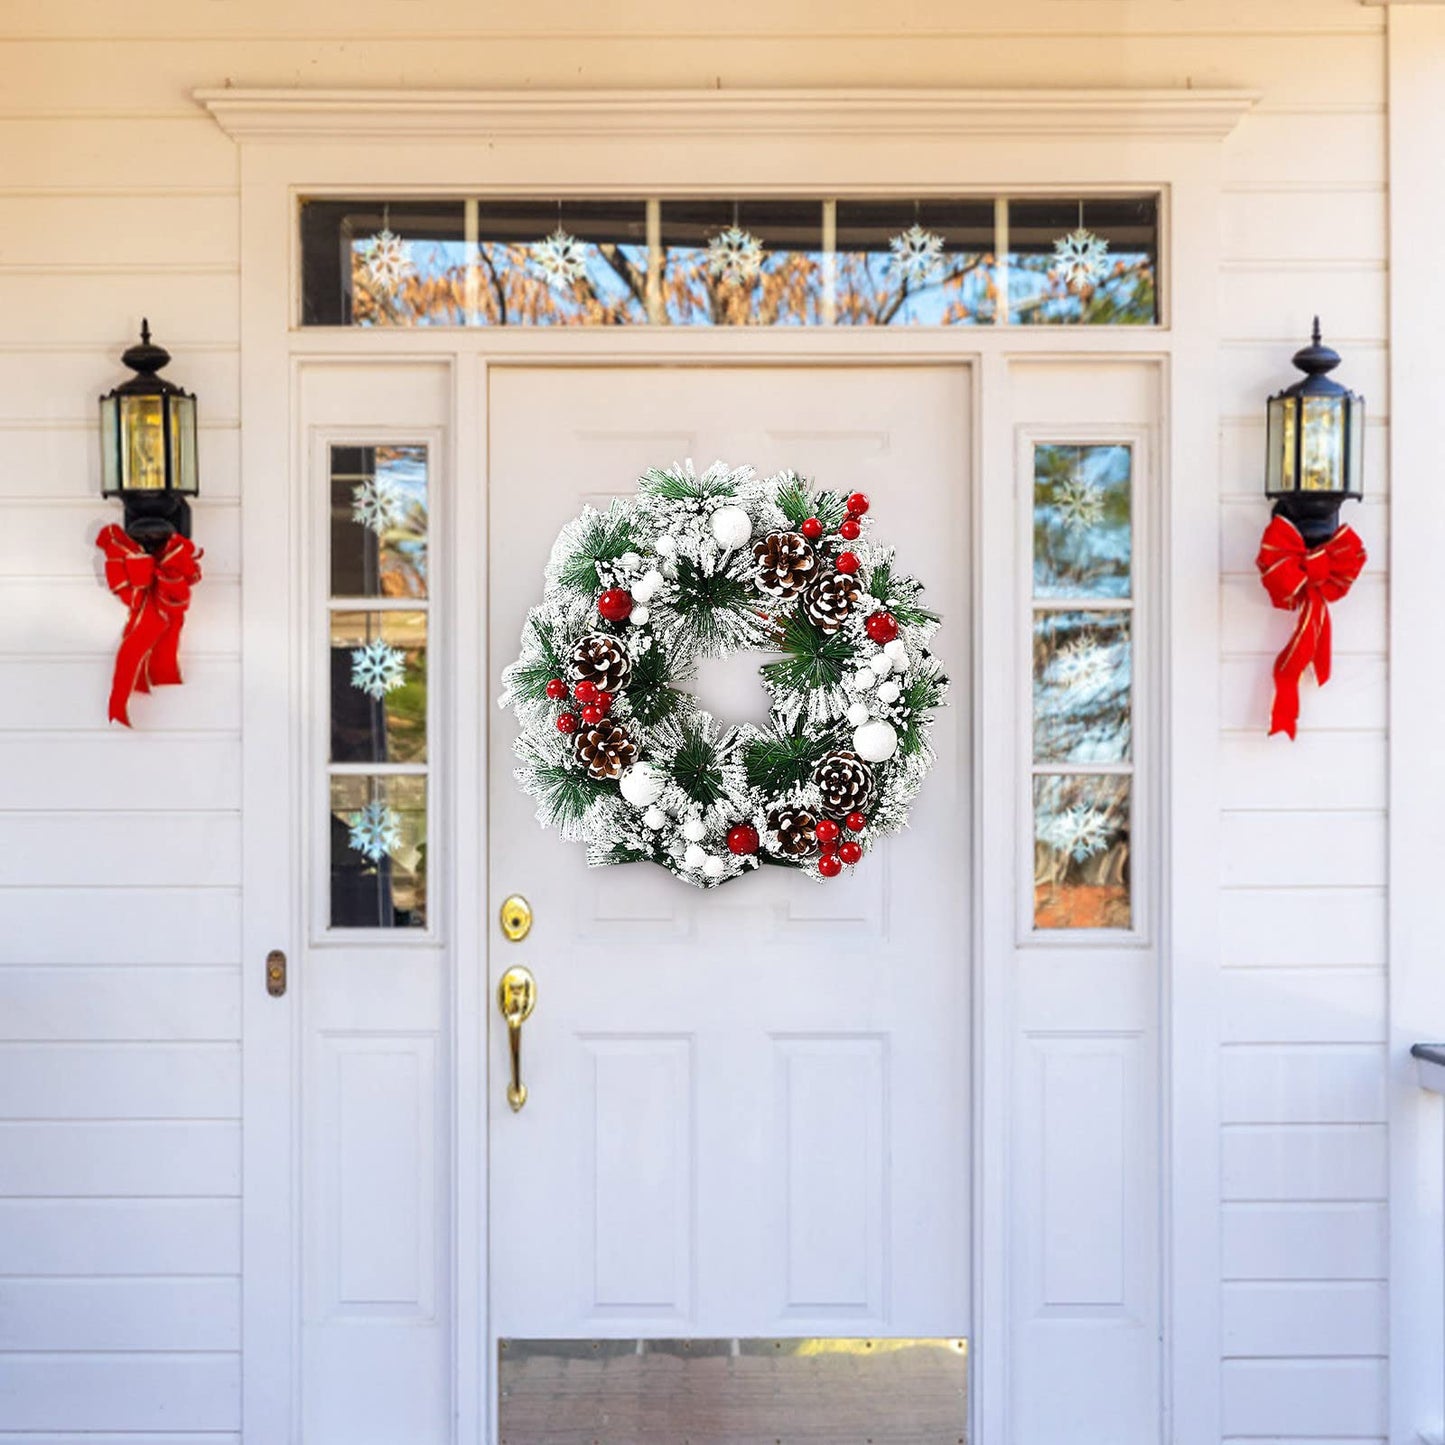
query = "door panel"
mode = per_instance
[{"x": 748, "y": 1108}]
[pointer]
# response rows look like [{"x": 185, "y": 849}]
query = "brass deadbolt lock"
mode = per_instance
[{"x": 516, "y": 918}]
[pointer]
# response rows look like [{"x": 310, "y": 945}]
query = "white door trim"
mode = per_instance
[{"x": 759, "y": 143}]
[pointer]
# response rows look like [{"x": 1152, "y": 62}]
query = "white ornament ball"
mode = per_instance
[
  {"x": 881, "y": 664},
  {"x": 876, "y": 741},
  {"x": 863, "y": 679},
  {"x": 731, "y": 527},
  {"x": 694, "y": 857},
  {"x": 639, "y": 616},
  {"x": 655, "y": 818},
  {"x": 666, "y": 545},
  {"x": 694, "y": 830},
  {"x": 713, "y": 867},
  {"x": 647, "y": 586},
  {"x": 896, "y": 649},
  {"x": 641, "y": 785},
  {"x": 887, "y": 692},
  {"x": 858, "y": 714},
  {"x": 630, "y": 560}
]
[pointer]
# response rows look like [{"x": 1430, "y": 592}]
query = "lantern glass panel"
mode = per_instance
[
  {"x": 1280, "y": 458},
  {"x": 184, "y": 473},
  {"x": 143, "y": 450},
  {"x": 1323, "y": 461},
  {"x": 109, "y": 445},
  {"x": 1355, "y": 468}
]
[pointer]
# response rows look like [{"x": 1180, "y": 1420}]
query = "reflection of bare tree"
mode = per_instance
[
  {"x": 504, "y": 289},
  {"x": 1125, "y": 295}
]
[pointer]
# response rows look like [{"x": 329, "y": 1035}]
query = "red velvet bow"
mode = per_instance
[
  {"x": 1304, "y": 580},
  {"x": 157, "y": 590}
]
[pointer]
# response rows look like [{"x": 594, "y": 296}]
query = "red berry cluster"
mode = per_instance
[
  {"x": 595, "y": 703},
  {"x": 835, "y": 853},
  {"x": 848, "y": 529}
]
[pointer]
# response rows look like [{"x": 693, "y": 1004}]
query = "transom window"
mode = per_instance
[{"x": 975, "y": 261}]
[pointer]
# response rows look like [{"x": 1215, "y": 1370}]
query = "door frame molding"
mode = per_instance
[{"x": 752, "y": 143}]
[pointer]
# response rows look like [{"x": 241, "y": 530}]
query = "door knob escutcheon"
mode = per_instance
[
  {"x": 516, "y": 916},
  {"x": 516, "y": 998}
]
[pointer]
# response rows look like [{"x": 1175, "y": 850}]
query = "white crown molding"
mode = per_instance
[{"x": 381, "y": 115}]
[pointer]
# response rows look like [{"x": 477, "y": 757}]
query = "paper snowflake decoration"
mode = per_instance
[
  {"x": 375, "y": 831},
  {"x": 1081, "y": 664},
  {"x": 377, "y": 668},
  {"x": 1080, "y": 831},
  {"x": 1080, "y": 504},
  {"x": 377, "y": 503},
  {"x": 387, "y": 259},
  {"x": 1080, "y": 257},
  {"x": 561, "y": 258},
  {"x": 917, "y": 254},
  {"x": 734, "y": 256}
]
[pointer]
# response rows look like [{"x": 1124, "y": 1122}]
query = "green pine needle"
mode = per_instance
[
  {"x": 798, "y": 503},
  {"x": 696, "y": 769},
  {"x": 528, "y": 678},
  {"x": 683, "y": 487},
  {"x": 717, "y": 608},
  {"x": 812, "y": 658},
  {"x": 900, "y": 593},
  {"x": 604, "y": 538},
  {"x": 776, "y": 764},
  {"x": 564, "y": 794},
  {"x": 653, "y": 700}
]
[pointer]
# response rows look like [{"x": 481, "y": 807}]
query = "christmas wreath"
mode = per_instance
[{"x": 618, "y": 755}]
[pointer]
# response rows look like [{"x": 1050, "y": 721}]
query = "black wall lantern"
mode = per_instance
[
  {"x": 148, "y": 447},
  {"x": 1316, "y": 445}
]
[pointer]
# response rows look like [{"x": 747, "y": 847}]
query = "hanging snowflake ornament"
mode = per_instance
[
  {"x": 1080, "y": 258},
  {"x": 1081, "y": 664},
  {"x": 1080, "y": 831},
  {"x": 561, "y": 258},
  {"x": 1080, "y": 503},
  {"x": 377, "y": 668},
  {"x": 387, "y": 259},
  {"x": 917, "y": 254},
  {"x": 375, "y": 831},
  {"x": 735, "y": 256},
  {"x": 378, "y": 504}
]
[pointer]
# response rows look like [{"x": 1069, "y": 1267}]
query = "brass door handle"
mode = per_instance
[{"x": 516, "y": 998}]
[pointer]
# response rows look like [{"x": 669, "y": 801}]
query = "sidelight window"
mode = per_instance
[
  {"x": 1083, "y": 616},
  {"x": 376, "y": 685}
]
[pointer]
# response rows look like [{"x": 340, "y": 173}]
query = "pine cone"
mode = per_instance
[
  {"x": 828, "y": 599},
  {"x": 846, "y": 782},
  {"x": 792, "y": 829},
  {"x": 783, "y": 564},
  {"x": 605, "y": 749},
  {"x": 601, "y": 659}
]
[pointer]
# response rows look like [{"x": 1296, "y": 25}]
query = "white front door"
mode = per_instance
[{"x": 748, "y": 1110}]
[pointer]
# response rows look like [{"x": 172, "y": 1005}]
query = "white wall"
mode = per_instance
[{"x": 119, "y": 911}]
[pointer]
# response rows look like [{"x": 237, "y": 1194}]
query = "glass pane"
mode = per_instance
[
  {"x": 1081, "y": 521},
  {"x": 378, "y": 521},
  {"x": 383, "y": 263},
  {"x": 109, "y": 444},
  {"x": 143, "y": 457},
  {"x": 577, "y": 263},
  {"x": 1357, "y": 445},
  {"x": 1274, "y": 460},
  {"x": 748, "y": 263},
  {"x": 1081, "y": 852},
  {"x": 378, "y": 852},
  {"x": 905, "y": 264},
  {"x": 1082, "y": 673},
  {"x": 1094, "y": 261},
  {"x": 378, "y": 687},
  {"x": 1323, "y": 463}
]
